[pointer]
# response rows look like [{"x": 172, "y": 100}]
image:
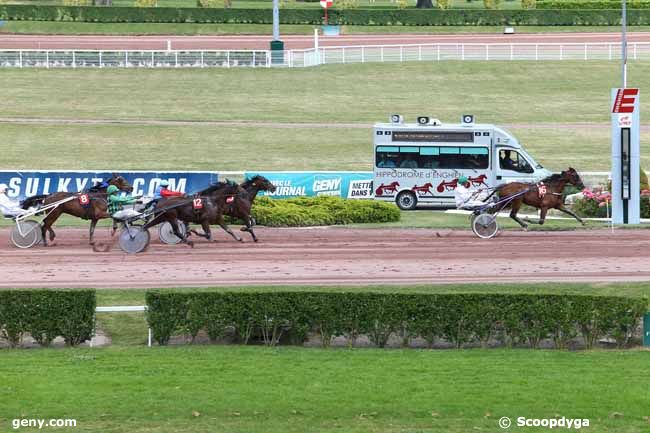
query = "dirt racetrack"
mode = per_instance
[{"x": 333, "y": 256}]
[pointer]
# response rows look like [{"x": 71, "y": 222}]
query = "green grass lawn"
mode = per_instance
[
  {"x": 255, "y": 389},
  {"x": 535, "y": 96}
]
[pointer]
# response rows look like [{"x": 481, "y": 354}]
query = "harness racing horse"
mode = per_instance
[
  {"x": 242, "y": 208},
  {"x": 545, "y": 195},
  {"x": 205, "y": 208},
  {"x": 95, "y": 209}
]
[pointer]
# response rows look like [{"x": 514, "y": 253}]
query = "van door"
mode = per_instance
[{"x": 512, "y": 166}]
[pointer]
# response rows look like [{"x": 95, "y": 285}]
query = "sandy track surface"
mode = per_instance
[
  {"x": 334, "y": 256},
  {"x": 56, "y": 42}
]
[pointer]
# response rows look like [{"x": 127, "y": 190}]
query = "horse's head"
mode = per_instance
[
  {"x": 261, "y": 183},
  {"x": 572, "y": 177},
  {"x": 120, "y": 182}
]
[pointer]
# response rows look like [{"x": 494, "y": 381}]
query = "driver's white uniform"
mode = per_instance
[
  {"x": 467, "y": 197},
  {"x": 9, "y": 207}
]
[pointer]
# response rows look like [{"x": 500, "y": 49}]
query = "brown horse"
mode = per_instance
[
  {"x": 545, "y": 195},
  {"x": 242, "y": 208},
  {"x": 205, "y": 208},
  {"x": 95, "y": 209}
]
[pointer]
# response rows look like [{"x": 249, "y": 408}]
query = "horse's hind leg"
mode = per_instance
[
  {"x": 46, "y": 227},
  {"x": 542, "y": 217},
  {"x": 177, "y": 232},
  {"x": 570, "y": 212},
  {"x": 223, "y": 225},
  {"x": 513, "y": 214}
]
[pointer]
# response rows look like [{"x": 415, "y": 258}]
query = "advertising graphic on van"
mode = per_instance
[{"x": 420, "y": 163}]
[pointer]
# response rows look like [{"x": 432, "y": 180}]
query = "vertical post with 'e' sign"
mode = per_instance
[{"x": 625, "y": 156}]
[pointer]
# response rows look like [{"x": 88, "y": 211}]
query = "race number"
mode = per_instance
[
  {"x": 230, "y": 199},
  {"x": 197, "y": 203},
  {"x": 541, "y": 189},
  {"x": 84, "y": 200}
]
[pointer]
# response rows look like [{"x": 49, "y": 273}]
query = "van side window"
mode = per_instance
[
  {"x": 512, "y": 160},
  {"x": 387, "y": 157}
]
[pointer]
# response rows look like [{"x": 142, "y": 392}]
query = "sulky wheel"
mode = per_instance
[
  {"x": 134, "y": 239},
  {"x": 26, "y": 234},
  {"x": 166, "y": 234},
  {"x": 485, "y": 225}
]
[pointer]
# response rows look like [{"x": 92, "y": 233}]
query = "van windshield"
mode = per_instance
[{"x": 532, "y": 160}]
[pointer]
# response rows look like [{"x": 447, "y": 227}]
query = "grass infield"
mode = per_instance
[{"x": 558, "y": 110}]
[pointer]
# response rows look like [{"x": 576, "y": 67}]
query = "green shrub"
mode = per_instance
[
  {"x": 528, "y": 4},
  {"x": 46, "y": 314},
  {"x": 459, "y": 319},
  {"x": 315, "y": 211},
  {"x": 409, "y": 17}
]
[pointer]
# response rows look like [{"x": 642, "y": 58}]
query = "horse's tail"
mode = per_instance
[{"x": 32, "y": 201}]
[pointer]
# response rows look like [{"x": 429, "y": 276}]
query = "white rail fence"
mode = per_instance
[{"x": 324, "y": 55}]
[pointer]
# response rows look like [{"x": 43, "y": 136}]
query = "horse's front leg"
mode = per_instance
[
  {"x": 250, "y": 223},
  {"x": 570, "y": 212},
  {"x": 93, "y": 224}
]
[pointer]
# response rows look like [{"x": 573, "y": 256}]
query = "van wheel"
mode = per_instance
[{"x": 406, "y": 200}]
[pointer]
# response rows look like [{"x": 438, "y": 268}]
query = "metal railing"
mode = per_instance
[{"x": 324, "y": 55}]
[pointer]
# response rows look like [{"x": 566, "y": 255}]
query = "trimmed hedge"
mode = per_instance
[
  {"x": 321, "y": 211},
  {"x": 407, "y": 17},
  {"x": 47, "y": 314},
  {"x": 455, "y": 318},
  {"x": 591, "y": 5}
]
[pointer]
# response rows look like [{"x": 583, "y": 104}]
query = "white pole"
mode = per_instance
[
  {"x": 624, "y": 43},
  {"x": 149, "y": 338},
  {"x": 169, "y": 45}
]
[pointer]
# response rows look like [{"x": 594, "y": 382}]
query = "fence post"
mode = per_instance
[
  {"x": 462, "y": 51},
  {"x": 74, "y": 61},
  {"x": 561, "y": 52},
  {"x": 343, "y": 54},
  {"x": 438, "y": 46},
  {"x": 585, "y": 51},
  {"x": 401, "y": 53},
  {"x": 363, "y": 55},
  {"x": 100, "y": 60},
  {"x": 126, "y": 59},
  {"x": 512, "y": 52},
  {"x": 420, "y": 53},
  {"x": 228, "y": 58},
  {"x": 47, "y": 59},
  {"x": 381, "y": 54},
  {"x": 20, "y": 58},
  {"x": 176, "y": 59},
  {"x": 487, "y": 52},
  {"x": 536, "y": 51},
  {"x": 253, "y": 58},
  {"x": 202, "y": 62},
  {"x": 610, "y": 51}
]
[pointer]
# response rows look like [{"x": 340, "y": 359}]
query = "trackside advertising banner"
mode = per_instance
[
  {"x": 346, "y": 184},
  {"x": 22, "y": 184}
]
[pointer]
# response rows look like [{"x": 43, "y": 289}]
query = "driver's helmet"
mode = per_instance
[
  {"x": 462, "y": 180},
  {"x": 112, "y": 189},
  {"x": 164, "y": 183}
]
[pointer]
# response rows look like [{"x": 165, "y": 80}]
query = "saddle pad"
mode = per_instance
[{"x": 84, "y": 200}]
